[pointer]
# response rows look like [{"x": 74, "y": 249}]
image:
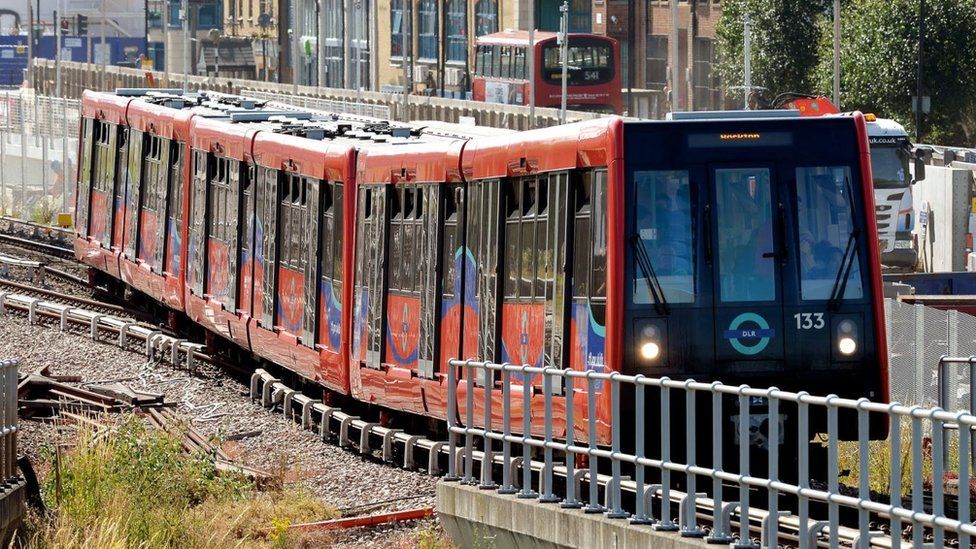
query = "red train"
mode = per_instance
[{"x": 363, "y": 255}]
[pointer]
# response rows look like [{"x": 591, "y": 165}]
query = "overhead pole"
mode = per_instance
[
  {"x": 57, "y": 53},
  {"x": 185, "y": 19},
  {"x": 530, "y": 53},
  {"x": 164, "y": 17},
  {"x": 918, "y": 84},
  {"x": 675, "y": 68},
  {"x": 631, "y": 51},
  {"x": 404, "y": 48},
  {"x": 30, "y": 45},
  {"x": 564, "y": 56},
  {"x": 747, "y": 53},
  {"x": 837, "y": 53},
  {"x": 103, "y": 25},
  {"x": 293, "y": 16}
]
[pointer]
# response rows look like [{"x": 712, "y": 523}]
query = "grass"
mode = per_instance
[
  {"x": 880, "y": 462},
  {"x": 135, "y": 487}
]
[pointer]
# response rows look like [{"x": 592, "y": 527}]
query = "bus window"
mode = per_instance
[
  {"x": 588, "y": 63},
  {"x": 664, "y": 228},
  {"x": 506, "y": 62},
  {"x": 496, "y": 58},
  {"x": 480, "y": 61},
  {"x": 744, "y": 210},
  {"x": 518, "y": 64},
  {"x": 824, "y": 209}
]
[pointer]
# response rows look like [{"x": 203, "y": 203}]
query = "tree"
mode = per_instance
[
  {"x": 785, "y": 34},
  {"x": 879, "y": 64}
]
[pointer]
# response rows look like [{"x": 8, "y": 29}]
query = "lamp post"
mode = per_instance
[{"x": 563, "y": 39}]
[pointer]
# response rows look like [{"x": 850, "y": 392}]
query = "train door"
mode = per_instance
[
  {"x": 370, "y": 303},
  {"x": 747, "y": 223}
]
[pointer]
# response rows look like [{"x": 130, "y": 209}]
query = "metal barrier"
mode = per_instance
[
  {"x": 774, "y": 524},
  {"x": 8, "y": 422},
  {"x": 327, "y": 105},
  {"x": 38, "y": 154}
]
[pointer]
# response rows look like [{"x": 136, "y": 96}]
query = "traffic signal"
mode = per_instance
[{"x": 81, "y": 22}]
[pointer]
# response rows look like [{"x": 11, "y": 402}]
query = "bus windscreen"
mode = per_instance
[{"x": 588, "y": 64}]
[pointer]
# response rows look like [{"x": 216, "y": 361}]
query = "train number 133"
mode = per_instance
[{"x": 809, "y": 321}]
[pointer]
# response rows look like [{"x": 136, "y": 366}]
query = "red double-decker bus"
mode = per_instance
[{"x": 501, "y": 73}]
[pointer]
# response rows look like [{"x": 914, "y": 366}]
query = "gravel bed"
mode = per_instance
[{"x": 219, "y": 405}]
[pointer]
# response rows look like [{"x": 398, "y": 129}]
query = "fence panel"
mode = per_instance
[{"x": 38, "y": 154}]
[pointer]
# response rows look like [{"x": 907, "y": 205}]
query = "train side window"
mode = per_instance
[
  {"x": 824, "y": 209},
  {"x": 544, "y": 241},
  {"x": 513, "y": 208},
  {"x": 395, "y": 216},
  {"x": 582, "y": 249},
  {"x": 411, "y": 233},
  {"x": 338, "y": 239},
  {"x": 451, "y": 240},
  {"x": 328, "y": 232},
  {"x": 496, "y": 61},
  {"x": 479, "y": 65},
  {"x": 598, "y": 267},
  {"x": 527, "y": 245}
]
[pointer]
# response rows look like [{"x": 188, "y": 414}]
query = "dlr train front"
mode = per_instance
[{"x": 751, "y": 253}]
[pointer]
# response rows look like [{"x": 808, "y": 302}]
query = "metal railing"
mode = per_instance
[
  {"x": 38, "y": 154},
  {"x": 8, "y": 423},
  {"x": 723, "y": 496},
  {"x": 327, "y": 105}
]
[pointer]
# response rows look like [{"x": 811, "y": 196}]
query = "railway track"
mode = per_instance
[{"x": 349, "y": 430}]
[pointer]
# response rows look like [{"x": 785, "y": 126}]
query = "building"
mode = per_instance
[{"x": 360, "y": 43}]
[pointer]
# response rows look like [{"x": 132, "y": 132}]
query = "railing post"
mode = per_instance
[
  {"x": 833, "y": 515},
  {"x": 570, "y": 502},
  {"x": 939, "y": 448},
  {"x": 864, "y": 469},
  {"x": 918, "y": 488},
  {"x": 451, "y": 419},
  {"x": 469, "y": 385},
  {"x": 527, "y": 492},
  {"x": 719, "y": 534},
  {"x": 666, "y": 524},
  {"x": 616, "y": 512},
  {"x": 690, "y": 527},
  {"x": 894, "y": 456},
  {"x": 547, "y": 493},
  {"x": 803, "y": 464},
  {"x": 640, "y": 514},
  {"x": 506, "y": 487},
  {"x": 486, "y": 458},
  {"x": 964, "y": 473},
  {"x": 744, "y": 541},
  {"x": 773, "y": 496},
  {"x": 593, "y": 506}
]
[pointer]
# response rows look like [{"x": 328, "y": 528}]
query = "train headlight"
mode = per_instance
[
  {"x": 847, "y": 338},
  {"x": 650, "y": 350},
  {"x": 650, "y": 343},
  {"x": 847, "y": 346}
]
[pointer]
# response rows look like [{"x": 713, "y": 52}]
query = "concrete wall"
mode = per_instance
[{"x": 945, "y": 193}]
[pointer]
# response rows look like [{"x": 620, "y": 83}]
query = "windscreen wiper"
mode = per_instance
[
  {"x": 847, "y": 260},
  {"x": 647, "y": 269}
]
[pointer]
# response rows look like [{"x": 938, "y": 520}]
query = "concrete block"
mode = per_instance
[{"x": 484, "y": 518}]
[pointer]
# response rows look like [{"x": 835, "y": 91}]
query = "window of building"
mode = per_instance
[
  {"x": 656, "y": 69},
  {"x": 428, "y": 30},
  {"x": 209, "y": 15},
  {"x": 457, "y": 31},
  {"x": 485, "y": 17},
  {"x": 707, "y": 93},
  {"x": 359, "y": 34},
  {"x": 396, "y": 28},
  {"x": 331, "y": 36}
]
